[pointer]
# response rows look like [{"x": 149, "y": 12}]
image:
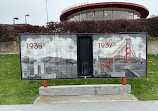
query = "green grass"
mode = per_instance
[
  {"x": 147, "y": 88},
  {"x": 15, "y": 91}
]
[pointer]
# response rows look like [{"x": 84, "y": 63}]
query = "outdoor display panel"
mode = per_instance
[{"x": 72, "y": 56}]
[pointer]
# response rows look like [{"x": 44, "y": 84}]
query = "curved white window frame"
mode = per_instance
[{"x": 94, "y": 15}]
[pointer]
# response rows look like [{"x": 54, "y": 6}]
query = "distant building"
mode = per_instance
[{"x": 105, "y": 11}]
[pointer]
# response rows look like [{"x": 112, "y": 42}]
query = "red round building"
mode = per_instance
[{"x": 105, "y": 11}]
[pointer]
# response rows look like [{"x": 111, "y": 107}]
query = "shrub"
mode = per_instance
[
  {"x": 152, "y": 26},
  {"x": 7, "y": 33},
  {"x": 29, "y": 29},
  {"x": 10, "y": 32},
  {"x": 108, "y": 26}
]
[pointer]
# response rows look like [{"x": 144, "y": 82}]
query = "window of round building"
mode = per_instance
[{"x": 105, "y": 14}]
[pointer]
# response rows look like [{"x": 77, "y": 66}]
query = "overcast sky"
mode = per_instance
[{"x": 37, "y": 9}]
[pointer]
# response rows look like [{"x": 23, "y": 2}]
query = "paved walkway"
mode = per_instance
[
  {"x": 103, "y": 106},
  {"x": 84, "y": 98}
]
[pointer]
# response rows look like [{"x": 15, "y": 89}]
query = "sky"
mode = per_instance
[{"x": 37, "y": 9}]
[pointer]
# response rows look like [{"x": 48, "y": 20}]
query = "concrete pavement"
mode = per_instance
[
  {"x": 87, "y": 98},
  {"x": 84, "y": 99},
  {"x": 103, "y": 106}
]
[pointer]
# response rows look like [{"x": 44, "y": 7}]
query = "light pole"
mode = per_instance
[
  {"x": 15, "y": 18},
  {"x": 47, "y": 11},
  {"x": 25, "y": 18}
]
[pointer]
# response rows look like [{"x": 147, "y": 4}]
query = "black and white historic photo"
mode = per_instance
[
  {"x": 119, "y": 55},
  {"x": 48, "y": 56}
]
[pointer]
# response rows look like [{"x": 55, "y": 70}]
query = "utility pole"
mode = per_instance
[{"x": 47, "y": 10}]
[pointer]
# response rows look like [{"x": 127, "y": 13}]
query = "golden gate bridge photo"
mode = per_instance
[{"x": 122, "y": 62}]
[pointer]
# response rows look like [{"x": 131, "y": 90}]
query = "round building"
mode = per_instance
[{"x": 105, "y": 11}]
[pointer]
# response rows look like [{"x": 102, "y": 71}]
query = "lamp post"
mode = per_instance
[
  {"x": 15, "y": 18},
  {"x": 47, "y": 11},
  {"x": 25, "y": 18}
]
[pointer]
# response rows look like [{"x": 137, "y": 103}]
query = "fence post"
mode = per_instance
[
  {"x": 45, "y": 84},
  {"x": 123, "y": 81}
]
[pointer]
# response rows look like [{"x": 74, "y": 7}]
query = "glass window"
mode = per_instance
[
  {"x": 124, "y": 14},
  {"x": 135, "y": 16},
  {"x": 71, "y": 19},
  {"x": 116, "y": 14},
  {"x": 107, "y": 14},
  {"x": 83, "y": 16},
  {"x": 90, "y": 15},
  {"x": 99, "y": 15},
  {"x": 76, "y": 17},
  {"x": 130, "y": 15}
]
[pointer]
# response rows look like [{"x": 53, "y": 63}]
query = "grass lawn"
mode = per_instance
[{"x": 15, "y": 91}]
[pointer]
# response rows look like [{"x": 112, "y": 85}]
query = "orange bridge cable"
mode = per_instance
[
  {"x": 133, "y": 53},
  {"x": 117, "y": 50},
  {"x": 121, "y": 50},
  {"x": 133, "y": 50},
  {"x": 135, "y": 57}
]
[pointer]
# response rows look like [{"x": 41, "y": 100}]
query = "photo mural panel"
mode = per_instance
[
  {"x": 72, "y": 56},
  {"x": 48, "y": 56},
  {"x": 119, "y": 55}
]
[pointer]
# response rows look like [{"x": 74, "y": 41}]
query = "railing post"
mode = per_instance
[
  {"x": 123, "y": 81},
  {"x": 45, "y": 84}
]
